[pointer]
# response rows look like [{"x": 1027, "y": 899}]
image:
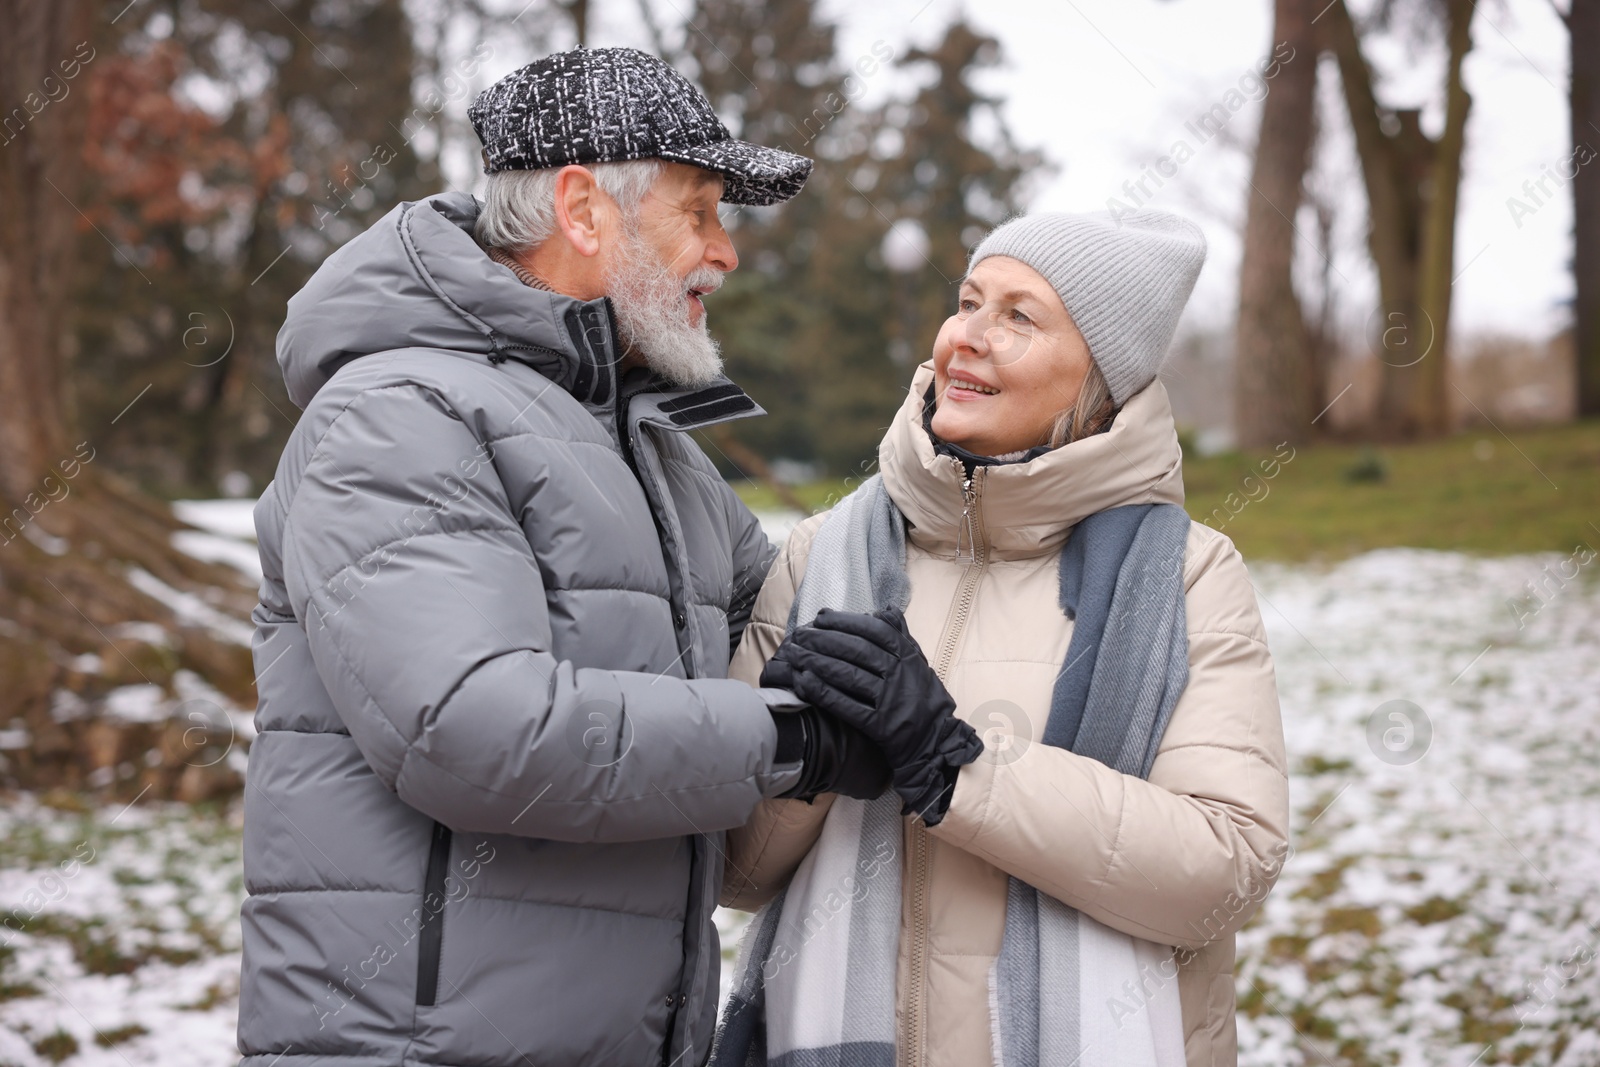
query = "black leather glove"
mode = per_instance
[{"x": 868, "y": 671}]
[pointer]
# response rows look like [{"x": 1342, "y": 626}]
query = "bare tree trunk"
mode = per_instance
[
  {"x": 1322, "y": 332},
  {"x": 1391, "y": 236},
  {"x": 1436, "y": 265},
  {"x": 1272, "y": 369},
  {"x": 1583, "y": 22},
  {"x": 1412, "y": 182},
  {"x": 38, "y": 187}
]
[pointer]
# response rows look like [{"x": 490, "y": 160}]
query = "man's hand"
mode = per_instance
[
  {"x": 835, "y": 757},
  {"x": 869, "y": 672}
]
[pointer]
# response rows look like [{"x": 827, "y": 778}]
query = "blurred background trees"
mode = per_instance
[
  {"x": 226, "y": 148},
  {"x": 1412, "y": 182},
  {"x": 227, "y": 153}
]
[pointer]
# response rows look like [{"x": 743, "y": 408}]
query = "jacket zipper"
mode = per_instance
[
  {"x": 971, "y": 529},
  {"x": 680, "y": 621},
  {"x": 430, "y": 940}
]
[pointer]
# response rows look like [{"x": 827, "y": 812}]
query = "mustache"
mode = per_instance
[{"x": 705, "y": 279}]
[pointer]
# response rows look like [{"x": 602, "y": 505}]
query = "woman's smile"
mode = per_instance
[{"x": 965, "y": 387}]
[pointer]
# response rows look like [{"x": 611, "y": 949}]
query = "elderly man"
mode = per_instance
[{"x": 497, "y": 746}]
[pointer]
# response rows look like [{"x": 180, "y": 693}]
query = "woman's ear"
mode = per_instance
[{"x": 580, "y": 209}]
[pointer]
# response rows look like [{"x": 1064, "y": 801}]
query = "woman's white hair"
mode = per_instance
[{"x": 519, "y": 205}]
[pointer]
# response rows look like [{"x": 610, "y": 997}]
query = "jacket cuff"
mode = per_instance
[
  {"x": 969, "y": 804},
  {"x": 780, "y": 700},
  {"x": 784, "y": 775},
  {"x": 791, "y": 737}
]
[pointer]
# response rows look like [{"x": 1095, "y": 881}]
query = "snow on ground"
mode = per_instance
[
  {"x": 120, "y": 936},
  {"x": 233, "y": 518},
  {"x": 226, "y": 533},
  {"x": 1442, "y": 901}
]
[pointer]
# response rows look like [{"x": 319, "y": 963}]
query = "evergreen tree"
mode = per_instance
[
  {"x": 771, "y": 71},
  {"x": 954, "y": 182}
]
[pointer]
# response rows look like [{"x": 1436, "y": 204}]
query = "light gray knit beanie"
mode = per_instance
[{"x": 1124, "y": 281}]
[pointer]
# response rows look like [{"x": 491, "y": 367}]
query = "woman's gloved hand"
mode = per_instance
[{"x": 868, "y": 671}]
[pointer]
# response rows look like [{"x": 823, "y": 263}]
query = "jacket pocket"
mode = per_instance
[{"x": 430, "y": 940}]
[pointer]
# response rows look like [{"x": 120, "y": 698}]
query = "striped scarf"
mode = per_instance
[{"x": 815, "y": 981}]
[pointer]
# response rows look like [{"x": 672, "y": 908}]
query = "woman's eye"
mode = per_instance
[
  {"x": 1020, "y": 319},
  {"x": 966, "y": 307}
]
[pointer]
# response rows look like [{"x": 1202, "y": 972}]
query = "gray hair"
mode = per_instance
[
  {"x": 519, "y": 205},
  {"x": 1089, "y": 414}
]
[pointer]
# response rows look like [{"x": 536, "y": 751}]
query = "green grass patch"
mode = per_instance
[
  {"x": 56, "y": 1046},
  {"x": 1435, "y": 910},
  {"x": 1363, "y": 921},
  {"x": 1326, "y": 882},
  {"x": 1312, "y": 766},
  {"x": 110, "y": 1038},
  {"x": 1537, "y": 490},
  {"x": 818, "y": 496}
]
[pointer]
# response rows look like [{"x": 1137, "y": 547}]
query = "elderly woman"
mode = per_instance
[{"x": 1069, "y": 683}]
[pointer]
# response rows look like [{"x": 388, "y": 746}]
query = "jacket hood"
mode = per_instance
[
  {"x": 1030, "y": 507},
  {"x": 417, "y": 279}
]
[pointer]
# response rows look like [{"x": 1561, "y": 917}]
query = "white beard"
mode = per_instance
[{"x": 652, "y": 315}]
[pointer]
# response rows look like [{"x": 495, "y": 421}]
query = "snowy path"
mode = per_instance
[{"x": 1438, "y": 911}]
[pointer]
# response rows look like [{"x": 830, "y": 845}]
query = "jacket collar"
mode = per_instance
[
  {"x": 572, "y": 342},
  {"x": 1030, "y": 507}
]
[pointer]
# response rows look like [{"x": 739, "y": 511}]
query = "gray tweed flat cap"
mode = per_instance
[
  {"x": 1124, "y": 281},
  {"x": 598, "y": 105}
]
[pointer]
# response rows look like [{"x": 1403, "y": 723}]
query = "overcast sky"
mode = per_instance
[{"x": 1104, "y": 87}]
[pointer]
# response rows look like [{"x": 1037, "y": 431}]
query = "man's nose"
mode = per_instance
[{"x": 720, "y": 253}]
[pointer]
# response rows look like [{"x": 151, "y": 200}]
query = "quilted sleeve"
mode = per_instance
[{"x": 426, "y": 616}]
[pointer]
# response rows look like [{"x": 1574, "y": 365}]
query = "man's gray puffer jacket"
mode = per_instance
[{"x": 497, "y": 748}]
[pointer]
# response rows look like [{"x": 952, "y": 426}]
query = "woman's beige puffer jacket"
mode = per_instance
[{"x": 1182, "y": 859}]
